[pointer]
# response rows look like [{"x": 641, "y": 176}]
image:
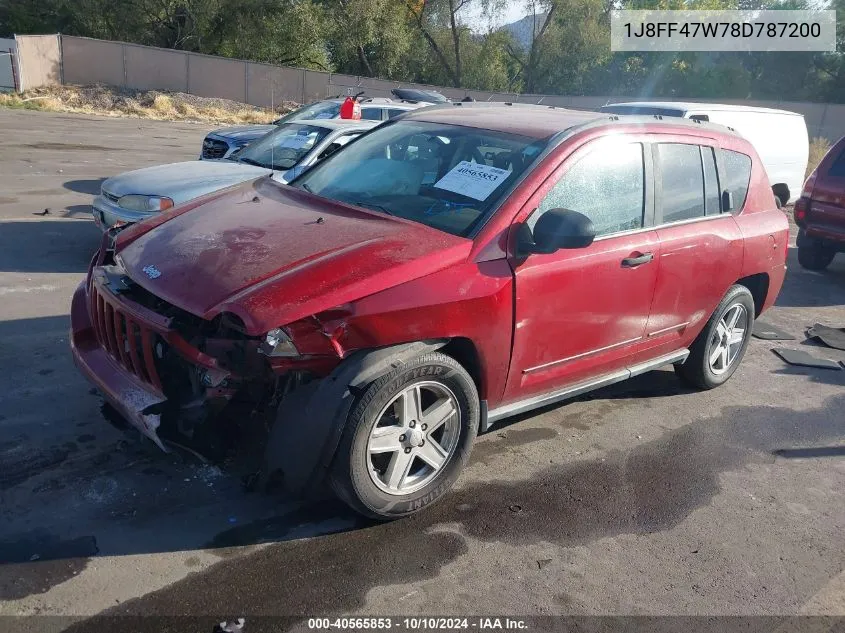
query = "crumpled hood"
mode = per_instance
[
  {"x": 244, "y": 132},
  {"x": 273, "y": 254},
  {"x": 183, "y": 181}
]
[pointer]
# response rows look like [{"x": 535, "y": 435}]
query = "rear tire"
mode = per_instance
[
  {"x": 718, "y": 350},
  {"x": 813, "y": 256},
  {"x": 407, "y": 438}
]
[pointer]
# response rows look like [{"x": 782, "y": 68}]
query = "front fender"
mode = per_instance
[{"x": 311, "y": 420}]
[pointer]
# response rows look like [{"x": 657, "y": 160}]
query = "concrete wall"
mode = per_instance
[
  {"x": 39, "y": 61},
  {"x": 79, "y": 60},
  {"x": 7, "y": 59},
  {"x": 151, "y": 68},
  {"x": 92, "y": 61},
  {"x": 217, "y": 77},
  {"x": 267, "y": 85}
]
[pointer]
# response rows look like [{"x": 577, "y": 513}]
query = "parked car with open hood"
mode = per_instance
[
  {"x": 446, "y": 270},
  {"x": 292, "y": 148},
  {"x": 779, "y": 136},
  {"x": 224, "y": 142}
]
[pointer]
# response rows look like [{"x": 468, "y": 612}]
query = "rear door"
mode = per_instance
[
  {"x": 701, "y": 245},
  {"x": 581, "y": 312},
  {"x": 827, "y": 208}
]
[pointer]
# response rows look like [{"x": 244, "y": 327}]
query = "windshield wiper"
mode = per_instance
[
  {"x": 306, "y": 187},
  {"x": 377, "y": 207}
]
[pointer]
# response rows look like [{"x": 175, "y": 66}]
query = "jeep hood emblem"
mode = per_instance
[{"x": 151, "y": 271}]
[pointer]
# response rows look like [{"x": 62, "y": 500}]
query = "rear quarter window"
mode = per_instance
[
  {"x": 837, "y": 167},
  {"x": 736, "y": 176}
]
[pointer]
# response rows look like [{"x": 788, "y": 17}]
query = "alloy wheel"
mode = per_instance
[
  {"x": 727, "y": 340},
  {"x": 413, "y": 438}
]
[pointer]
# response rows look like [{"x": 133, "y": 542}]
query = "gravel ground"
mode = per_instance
[{"x": 642, "y": 499}]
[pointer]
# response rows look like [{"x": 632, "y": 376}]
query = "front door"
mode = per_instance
[{"x": 580, "y": 313}]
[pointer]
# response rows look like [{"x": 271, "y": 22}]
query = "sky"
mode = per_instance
[{"x": 512, "y": 11}]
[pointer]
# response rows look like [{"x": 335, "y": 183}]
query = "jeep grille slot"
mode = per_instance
[{"x": 126, "y": 341}]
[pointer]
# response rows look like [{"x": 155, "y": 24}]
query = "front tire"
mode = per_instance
[
  {"x": 407, "y": 438},
  {"x": 718, "y": 350}
]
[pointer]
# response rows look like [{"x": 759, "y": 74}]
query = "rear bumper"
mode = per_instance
[
  {"x": 831, "y": 237},
  {"x": 137, "y": 402}
]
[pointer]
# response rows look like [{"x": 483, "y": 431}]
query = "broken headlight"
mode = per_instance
[{"x": 278, "y": 344}]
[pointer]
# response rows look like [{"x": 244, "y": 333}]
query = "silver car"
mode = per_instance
[
  {"x": 285, "y": 153},
  {"x": 224, "y": 142}
]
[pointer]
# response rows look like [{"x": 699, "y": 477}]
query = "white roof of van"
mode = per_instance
[{"x": 686, "y": 106}]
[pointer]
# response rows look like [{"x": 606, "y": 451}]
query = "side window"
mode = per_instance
[
  {"x": 736, "y": 177},
  {"x": 683, "y": 181},
  {"x": 394, "y": 112},
  {"x": 371, "y": 114},
  {"x": 837, "y": 167},
  {"x": 712, "y": 203},
  {"x": 339, "y": 142},
  {"x": 607, "y": 185}
]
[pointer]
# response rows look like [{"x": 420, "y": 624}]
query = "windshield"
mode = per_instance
[
  {"x": 282, "y": 148},
  {"x": 446, "y": 176},
  {"x": 319, "y": 110}
]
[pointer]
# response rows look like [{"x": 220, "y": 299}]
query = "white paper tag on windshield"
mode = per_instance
[{"x": 472, "y": 179}]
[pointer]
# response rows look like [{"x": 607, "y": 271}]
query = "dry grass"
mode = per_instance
[
  {"x": 151, "y": 104},
  {"x": 819, "y": 146}
]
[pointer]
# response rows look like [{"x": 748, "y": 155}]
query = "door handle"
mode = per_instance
[{"x": 639, "y": 260}]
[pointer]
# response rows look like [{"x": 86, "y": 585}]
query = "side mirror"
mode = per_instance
[
  {"x": 556, "y": 229},
  {"x": 727, "y": 201}
]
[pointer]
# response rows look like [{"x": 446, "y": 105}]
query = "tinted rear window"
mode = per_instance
[
  {"x": 736, "y": 177},
  {"x": 837, "y": 167}
]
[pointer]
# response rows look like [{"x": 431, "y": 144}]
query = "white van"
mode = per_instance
[{"x": 779, "y": 136}]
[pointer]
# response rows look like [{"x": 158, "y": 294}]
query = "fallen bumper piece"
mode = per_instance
[
  {"x": 804, "y": 359},
  {"x": 830, "y": 336}
]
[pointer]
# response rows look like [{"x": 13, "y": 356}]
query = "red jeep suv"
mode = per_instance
[
  {"x": 452, "y": 267},
  {"x": 820, "y": 211}
]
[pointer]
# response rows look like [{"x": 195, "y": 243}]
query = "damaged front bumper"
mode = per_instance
[
  {"x": 136, "y": 401},
  {"x": 118, "y": 344}
]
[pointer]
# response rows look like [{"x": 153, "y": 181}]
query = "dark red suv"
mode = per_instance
[
  {"x": 820, "y": 211},
  {"x": 452, "y": 267}
]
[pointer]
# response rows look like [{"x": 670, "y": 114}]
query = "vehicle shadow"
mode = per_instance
[
  {"x": 653, "y": 487},
  {"x": 805, "y": 288},
  {"x": 89, "y": 186},
  {"x": 78, "y": 211},
  {"x": 47, "y": 245},
  {"x": 817, "y": 451},
  {"x": 660, "y": 383},
  {"x": 813, "y": 375}
]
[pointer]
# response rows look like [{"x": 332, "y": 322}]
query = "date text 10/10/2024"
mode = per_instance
[{"x": 418, "y": 623}]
